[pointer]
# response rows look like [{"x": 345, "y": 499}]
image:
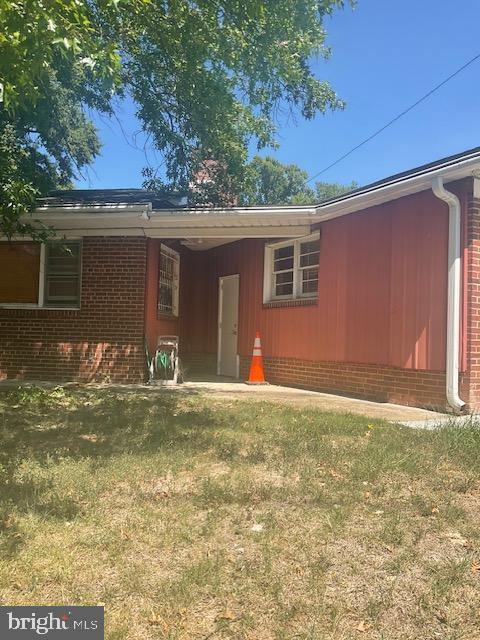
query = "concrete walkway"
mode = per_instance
[{"x": 233, "y": 390}]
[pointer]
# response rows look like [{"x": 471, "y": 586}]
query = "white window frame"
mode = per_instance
[
  {"x": 41, "y": 285},
  {"x": 268, "y": 271},
  {"x": 176, "y": 280}
]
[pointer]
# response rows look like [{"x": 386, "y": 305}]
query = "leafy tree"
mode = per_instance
[
  {"x": 208, "y": 77},
  {"x": 327, "y": 190},
  {"x": 272, "y": 182}
]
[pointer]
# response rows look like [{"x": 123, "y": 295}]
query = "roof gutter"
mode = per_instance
[
  {"x": 393, "y": 189},
  {"x": 453, "y": 294}
]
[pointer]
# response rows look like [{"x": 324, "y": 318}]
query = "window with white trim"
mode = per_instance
[
  {"x": 291, "y": 269},
  {"x": 40, "y": 275},
  {"x": 168, "y": 281},
  {"x": 62, "y": 274}
]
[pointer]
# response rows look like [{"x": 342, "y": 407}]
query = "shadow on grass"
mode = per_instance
[
  {"x": 99, "y": 423},
  {"x": 41, "y": 429},
  {"x": 52, "y": 441}
]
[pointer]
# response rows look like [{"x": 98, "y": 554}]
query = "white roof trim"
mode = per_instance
[
  {"x": 395, "y": 189},
  {"x": 242, "y": 222}
]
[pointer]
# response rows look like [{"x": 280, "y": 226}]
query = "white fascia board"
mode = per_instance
[
  {"x": 395, "y": 190},
  {"x": 232, "y": 222},
  {"x": 179, "y": 225},
  {"x": 140, "y": 219},
  {"x": 230, "y": 232},
  {"x": 106, "y": 216},
  {"x": 114, "y": 209},
  {"x": 253, "y": 212},
  {"x": 96, "y": 231},
  {"x": 227, "y": 233}
]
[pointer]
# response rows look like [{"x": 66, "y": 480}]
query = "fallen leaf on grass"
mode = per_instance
[
  {"x": 91, "y": 437},
  {"x": 475, "y": 567},
  {"x": 157, "y": 621},
  {"x": 363, "y": 626},
  {"x": 257, "y": 527},
  {"x": 226, "y": 615},
  {"x": 8, "y": 522},
  {"x": 457, "y": 538},
  {"x": 335, "y": 474}
]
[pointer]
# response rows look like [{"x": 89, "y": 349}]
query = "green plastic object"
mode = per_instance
[{"x": 162, "y": 360}]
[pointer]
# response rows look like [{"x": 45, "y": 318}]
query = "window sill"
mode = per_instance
[
  {"x": 36, "y": 307},
  {"x": 166, "y": 316},
  {"x": 297, "y": 302}
]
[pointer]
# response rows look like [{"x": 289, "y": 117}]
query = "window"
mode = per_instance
[
  {"x": 62, "y": 274},
  {"x": 291, "y": 269},
  {"x": 168, "y": 281},
  {"x": 34, "y": 275},
  {"x": 19, "y": 272}
]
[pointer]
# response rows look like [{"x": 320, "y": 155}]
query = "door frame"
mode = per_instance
[{"x": 219, "y": 321}]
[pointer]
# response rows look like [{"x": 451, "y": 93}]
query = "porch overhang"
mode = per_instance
[
  {"x": 219, "y": 225},
  {"x": 190, "y": 224}
]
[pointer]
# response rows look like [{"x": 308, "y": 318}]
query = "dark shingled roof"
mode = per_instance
[
  {"x": 114, "y": 196},
  {"x": 180, "y": 201},
  {"x": 404, "y": 175}
]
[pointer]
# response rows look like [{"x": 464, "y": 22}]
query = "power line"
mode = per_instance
[{"x": 397, "y": 117}]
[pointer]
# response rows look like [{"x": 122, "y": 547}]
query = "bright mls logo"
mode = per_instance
[{"x": 58, "y": 623}]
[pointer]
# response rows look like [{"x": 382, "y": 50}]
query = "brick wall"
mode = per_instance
[
  {"x": 412, "y": 387},
  {"x": 103, "y": 341},
  {"x": 379, "y": 383},
  {"x": 470, "y": 380}
]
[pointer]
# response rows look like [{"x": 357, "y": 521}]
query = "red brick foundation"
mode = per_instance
[
  {"x": 379, "y": 383},
  {"x": 103, "y": 341},
  {"x": 371, "y": 382}
]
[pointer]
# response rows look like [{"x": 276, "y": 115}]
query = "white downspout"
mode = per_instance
[{"x": 453, "y": 292}]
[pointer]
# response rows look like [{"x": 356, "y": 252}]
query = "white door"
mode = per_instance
[{"x": 227, "y": 358}]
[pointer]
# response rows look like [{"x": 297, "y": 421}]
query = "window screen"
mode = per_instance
[
  {"x": 309, "y": 254},
  {"x": 62, "y": 274},
  {"x": 168, "y": 281},
  {"x": 283, "y": 271},
  {"x": 294, "y": 269}
]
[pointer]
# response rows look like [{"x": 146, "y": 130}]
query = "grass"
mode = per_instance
[{"x": 198, "y": 519}]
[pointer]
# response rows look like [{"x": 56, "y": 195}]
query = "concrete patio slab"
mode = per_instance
[{"x": 234, "y": 390}]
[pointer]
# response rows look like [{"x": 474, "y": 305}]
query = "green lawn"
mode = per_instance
[{"x": 198, "y": 519}]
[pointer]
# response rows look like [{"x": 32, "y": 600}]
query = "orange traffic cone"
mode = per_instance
[{"x": 256, "y": 368}]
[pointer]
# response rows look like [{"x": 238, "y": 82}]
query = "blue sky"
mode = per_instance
[{"x": 385, "y": 55}]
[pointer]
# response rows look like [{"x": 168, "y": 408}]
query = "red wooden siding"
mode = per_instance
[{"x": 382, "y": 292}]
